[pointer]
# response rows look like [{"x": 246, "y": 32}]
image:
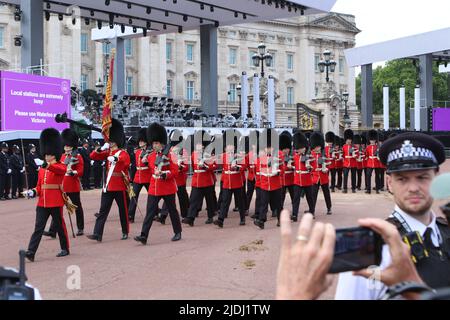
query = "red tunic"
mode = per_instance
[
  {"x": 71, "y": 184},
  {"x": 289, "y": 174},
  {"x": 142, "y": 175},
  {"x": 49, "y": 186},
  {"x": 359, "y": 158},
  {"x": 270, "y": 177},
  {"x": 182, "y": 162},
  {"x": 232, "y": 176},
  {"x": 371, "y": 155},
  {"x": 203, "y": 175},
  {"x": 117, "y": 182},
  {"x": 158, "y": 185},
  {"x": 338, "y": 159},
  {"x": 329, "y": 156},
  {"x": 251, "y": 161},
  {"x": 319, "y": 176},
  {"x": 349, "y": 159},
  {"x": 303, "y": 176}
]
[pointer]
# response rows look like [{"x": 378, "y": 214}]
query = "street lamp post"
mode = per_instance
[
  {"x": 347, "y": 120},
  {"x": 99, "y": 85},
  {"x": 327, "y": 65},
  {"x": 239, "y": 93},
  {"x": 260, "y": 57}
]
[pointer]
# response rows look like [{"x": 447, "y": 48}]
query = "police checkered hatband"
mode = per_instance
[{"x": 409, "y": 151}]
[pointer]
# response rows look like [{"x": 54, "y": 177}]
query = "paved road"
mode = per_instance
[{"x": 209, "y": 263}]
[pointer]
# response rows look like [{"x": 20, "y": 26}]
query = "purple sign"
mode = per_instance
[
  {"x": 30, "y": 102},
  {"x": 441, "y": 119}
]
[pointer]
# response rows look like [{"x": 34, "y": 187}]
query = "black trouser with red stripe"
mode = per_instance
[
  {"x": 183, "y": 200},
  {"x": 226, "y": 201},
  {"x": 250, "y": 191},
  {"x": 336, "y": 184},
  {"x": 123, "y": 201},
  {"x": 42, "y": 215},
  {"x": 152, "y": 211},
  {"x": 196, "y": 200},
  {"x": 291, "y": 190},
  {"x": 359, "y": 178},
  {"x": 75, "y": 197},
  {"x": 326, "y": 194},
  {"x": 353, "y": 174},
  {"x": 272, "y": 197},
  {"x": 297, "y": 197},
  {"x": 137, "y": 187}
]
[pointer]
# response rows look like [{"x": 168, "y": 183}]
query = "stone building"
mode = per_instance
[{"x": 169, "y": 65}]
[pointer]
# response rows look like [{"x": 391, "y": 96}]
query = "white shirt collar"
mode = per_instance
[{"x": 416, "y": 225}]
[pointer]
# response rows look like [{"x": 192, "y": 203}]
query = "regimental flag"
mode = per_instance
[{"x": 107, "y": 104}]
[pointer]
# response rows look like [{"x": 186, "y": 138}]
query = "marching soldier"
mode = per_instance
[
  {"x": 49, "y": 191},
  {"x": 32, "y": 160},
  {"x": 270, "y": 166},
  {"x": 372, "y": 161},
  {"x": 162, "y": 183},
  {"x": 350, "y": 165},
  {"x": 329, "y": 149},
  {"x": 359, "y": 152},
  {"x": 203, "y": 182},
  {"x": 71, "y": 183},
  {"x": 320, "y": 170},
  {"x": 336, "y": 170},
  {"x": 115, "y": 188},
  {"x": 180, "y": 157},
  {"x": 232, "y": 168},
  {"x": 289, "y": 174},
  {"x": 251, "y": 161},
  {"x": 18, "y": 170},
  {"x": 412, "y": 161},
  {"x": 364, "y": 158},
  {"x": 142, "y": 176},
  {"x": 303, "y": 176},
  {"x": 381, "y": 167}
]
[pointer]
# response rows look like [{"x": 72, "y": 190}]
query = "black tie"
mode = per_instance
[{"x": 427, "y": 238}]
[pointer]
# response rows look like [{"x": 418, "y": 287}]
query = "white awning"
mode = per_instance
[
  {"x": 436, "y": 43},
  {"x": 158, "y": 16}
]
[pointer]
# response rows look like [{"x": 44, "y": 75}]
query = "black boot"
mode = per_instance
[
  {"x": 63, "y": 253},
  {"x": 29, "y": 255},
  {"x": 94, "y": 237},
  {"x": 141, "y": 239},
  {"x": 209, "y": 221},
  {"x": 242, "y": 223},
  {"x": 219, "y": 223},
  {"x": 124, "y": 236},
  {"x": 80, "y": 233},
  {"x": 176, "y": 237},
  {"x": 188, "y": 221},
  {"x": 259, "y": 224},
  {"x": 49, "y": 234}
]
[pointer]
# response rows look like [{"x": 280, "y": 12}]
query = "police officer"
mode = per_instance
[
  {"x": 115, "y": 187},
  {"x": 5, "y": 172},
  {"x": 49, "y": 191},
  {"x": 32, "y": 162},
  {"x": 18, "y": 170},
  {"x": 162, "y": 183},
  {"x": 412, "y": 161}
]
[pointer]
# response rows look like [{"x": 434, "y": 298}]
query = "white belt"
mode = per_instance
[
  {"x": 199, "y": 171},
  {"x": 231, "y": 172},
  {"x": 287, "y": 172},
  {"x": 141, "y": 168},
  {"x": 302, "y": 172},
  {"x": 269, "y": 175}
]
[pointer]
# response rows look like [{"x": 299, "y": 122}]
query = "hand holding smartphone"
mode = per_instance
[{"x": 356, "y": 249}]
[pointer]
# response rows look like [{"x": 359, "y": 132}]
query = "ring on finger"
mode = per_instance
[{"x": 302, "y": 238}]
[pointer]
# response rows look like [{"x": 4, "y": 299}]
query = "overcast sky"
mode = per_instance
[{"x": 382, "y": 20}]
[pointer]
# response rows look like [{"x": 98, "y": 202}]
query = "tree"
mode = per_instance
[{"x": 395, "y": 74}]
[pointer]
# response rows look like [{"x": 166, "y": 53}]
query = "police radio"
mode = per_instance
[
  {"x": 417, "y": 247},
  {"x": 12, "y": 283}
]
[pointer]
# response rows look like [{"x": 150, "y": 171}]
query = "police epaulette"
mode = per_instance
[
  {"x": 397, "y": 224},
  {"x": 442, "y": 221}
]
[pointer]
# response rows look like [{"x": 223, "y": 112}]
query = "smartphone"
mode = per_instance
[{"x": 356, "y": 249}]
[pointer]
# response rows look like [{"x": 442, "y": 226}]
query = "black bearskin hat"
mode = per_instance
[
  {"x": 70, "y": 138},
  {"x": 329, "y": 137},
  {"x": 337, "y": 141},
  {"x": 348, "y": 134},
  {"x": 4, "y": 145},
  {"x": 317, "y": 140},
  {"x": 175, "y": 137},
  {"x": 50, "y": 143},
  {"x": 156, "y": 133},
  {"x": 285, "y": 140},
  {"x": 269, "y": 138},
  {"x": 117, "y": 133},
  {"x": 300, "y": 141},
  {"x": 364, "y": 139},
  {"x": 372, "y": 135},
  {"x": 142, "y": 135},
  {"x": 357, "y": 139}
]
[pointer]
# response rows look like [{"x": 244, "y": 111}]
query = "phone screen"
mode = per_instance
[{"x": 356, "y": 249}]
